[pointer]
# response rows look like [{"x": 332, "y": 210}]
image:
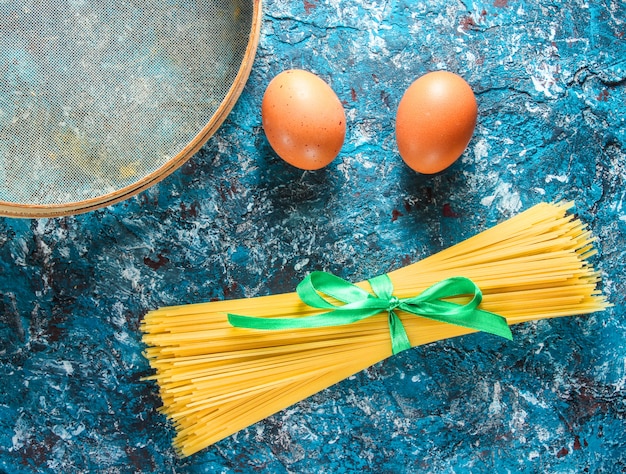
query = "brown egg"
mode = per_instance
[
  {"x": 435, "y": 121},
  {"x": 303, "y": 119}
]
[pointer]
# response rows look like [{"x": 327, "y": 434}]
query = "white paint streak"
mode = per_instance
[
  {"x": 621, "y": 383},
  {"x": 301, "y": 264},
  {"x": 67, "y": 366},
  {"x": 543, "y": 434},
  {"x": 508, "y": 200},
  {"x": 20, "y": 434},
  {"x": 495, "y": 406},
  {"x": 117, "y": 313},
  {"x": 532, "y": 399},
  {"x": 559, "y": 178},
  {"x": 481, "y": 149},
  {"x": 487, "y": 201},
  {"x": 133, "y": 275},
  {"x": 545, "y": 81}
]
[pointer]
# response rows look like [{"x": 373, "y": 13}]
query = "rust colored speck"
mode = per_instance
[
  {"x": 395, "y": 214},
  {"x": 562, "y": 452},
  {"x": 603, "y": 96},
  {"x": 191, "y": 211},
  {"x": 448, "y": 212},
  {"x": 229, "y": 290},
  {"x": 309, "y": 5},
  {"x": 156, "y": 264},
  {"x": 467, "y": 23}
]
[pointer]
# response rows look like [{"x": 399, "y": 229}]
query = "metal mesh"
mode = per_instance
[{"x": 95, "y": 95}]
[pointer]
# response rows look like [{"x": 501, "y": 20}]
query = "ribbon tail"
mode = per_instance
[
  {"x": 399, "y": 338},
  {"x": 452, "y": 313},
  {"x": 330, "y": 318},
  {"x": 491, "y": 323},
  {"x": 484, "y": 321}
]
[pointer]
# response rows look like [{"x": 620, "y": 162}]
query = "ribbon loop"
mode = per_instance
[{"x": 359, "y": 304}]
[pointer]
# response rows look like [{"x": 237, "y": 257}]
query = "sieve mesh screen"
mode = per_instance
[{"x": 96, "y": 95}]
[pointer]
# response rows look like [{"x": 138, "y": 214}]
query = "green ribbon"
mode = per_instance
[{"x": 360, "y": 304}]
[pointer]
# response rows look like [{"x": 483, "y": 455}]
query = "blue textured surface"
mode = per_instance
[{"x": 236, "y": 221}]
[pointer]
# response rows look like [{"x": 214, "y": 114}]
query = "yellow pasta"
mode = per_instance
[{"x": 216, "y": 379}]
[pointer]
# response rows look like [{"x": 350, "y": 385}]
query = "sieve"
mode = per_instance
[{"x": 101, "y": 99}]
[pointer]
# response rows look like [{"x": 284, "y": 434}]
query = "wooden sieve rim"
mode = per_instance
[{"x": 10, "y": 209}]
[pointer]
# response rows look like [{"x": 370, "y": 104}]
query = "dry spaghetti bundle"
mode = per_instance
[{"x": 219, "y": 371}]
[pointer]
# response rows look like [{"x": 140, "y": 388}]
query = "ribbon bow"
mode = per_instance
[{"x": 360, "y": 304}]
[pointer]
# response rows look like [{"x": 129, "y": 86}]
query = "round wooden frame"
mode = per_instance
[{"x": 10, "y": 209}]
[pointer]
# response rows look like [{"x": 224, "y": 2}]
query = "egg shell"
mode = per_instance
[
  {"x": 303, "y": 119},
  {"x": 435, "y": 121}
]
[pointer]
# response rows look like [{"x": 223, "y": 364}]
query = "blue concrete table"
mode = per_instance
[{"x": 236, "y": 221}]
